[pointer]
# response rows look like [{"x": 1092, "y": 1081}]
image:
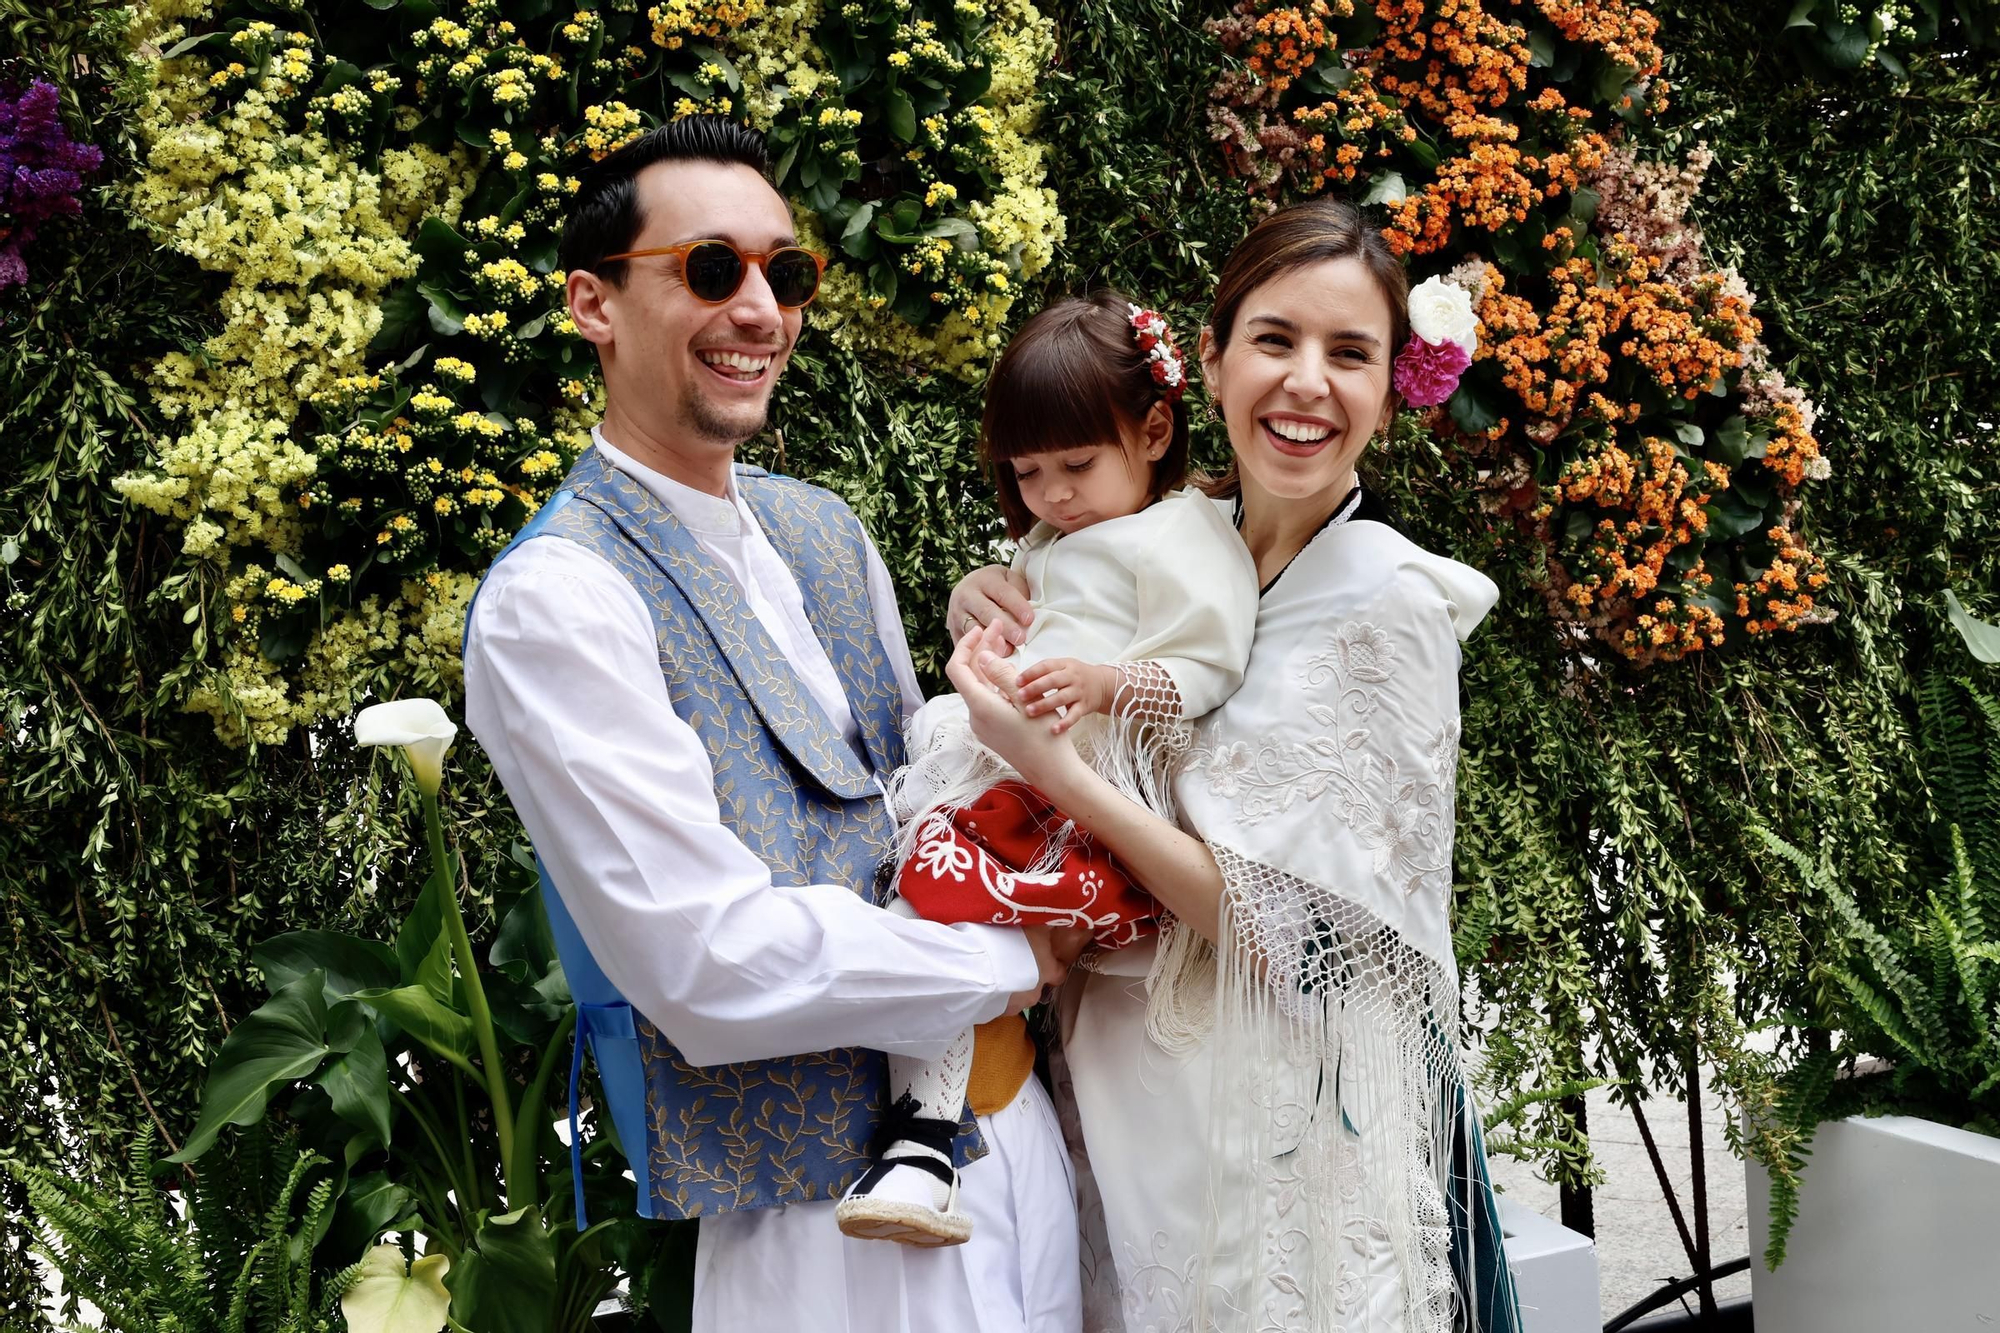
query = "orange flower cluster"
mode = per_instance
[
  {"x": 1624, "y": 34},
  {"x": 1604, "y": 345},
  {"x": 1288, "y": 41},
  {"x": 1782, "y": 597},
  {"x": 1622, "y": 581},
  {"x": 1792, "y": 449},
  {"x": 1458, "y": 67}
]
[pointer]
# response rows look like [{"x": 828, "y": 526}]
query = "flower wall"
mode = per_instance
[
  {"x": 1620, "y": 399},
  {"x": 394, "y": 386},
  {"x": 1613, "y": 909}
]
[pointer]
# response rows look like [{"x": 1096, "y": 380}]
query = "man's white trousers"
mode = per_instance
[{"x": 790, "y": 1269}]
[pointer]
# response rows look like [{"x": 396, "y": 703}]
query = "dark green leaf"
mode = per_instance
[
  {"x": 279, "y": 1043},
  {"x": 505, "y": 1282},
  {"x": 901, "y": 114},
  {"x": 358, "y": 1083},
  {"x": 371, "y": 1205},
  {"x": 349, "y": 963},
  {"x": 419, "y": 1013}
]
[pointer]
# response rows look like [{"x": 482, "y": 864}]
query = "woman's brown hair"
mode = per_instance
[
  {"x": 1072, "y": 378},
  {"x": 1310, "y": 232}
]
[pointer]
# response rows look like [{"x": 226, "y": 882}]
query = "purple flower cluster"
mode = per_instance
[{"x": 41, "y": 169}]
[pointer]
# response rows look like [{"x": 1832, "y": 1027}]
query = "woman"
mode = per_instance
[{"x": 1297, "y": 1152}]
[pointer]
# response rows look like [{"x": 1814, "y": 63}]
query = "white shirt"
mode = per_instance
[{"x": 563, "y": 688}]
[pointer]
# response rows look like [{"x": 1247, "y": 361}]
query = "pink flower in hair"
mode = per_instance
[{"x": 1427, "y": 373}]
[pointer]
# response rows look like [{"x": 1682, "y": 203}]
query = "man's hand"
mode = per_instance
[
  {"x": 1077, "y": 689},
  {"x": 988, "y": 594},
  {"x": 1042, "y": 939}
]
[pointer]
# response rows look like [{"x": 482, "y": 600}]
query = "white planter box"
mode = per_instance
[
  {"x": 1898, "y": 1232},
  {"x": 1555, "y": 1272}
]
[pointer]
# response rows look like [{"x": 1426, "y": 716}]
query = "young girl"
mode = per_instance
[{"x": 1145, "y": 604}]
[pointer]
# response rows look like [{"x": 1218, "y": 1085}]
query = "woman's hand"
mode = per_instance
[
  {"x": 989, "y": 594},
  {"x": 987, "y": 683},
  {"x": 1070, "y": 689}
]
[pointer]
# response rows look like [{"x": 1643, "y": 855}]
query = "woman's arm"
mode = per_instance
[
  {"x": 988, "y": 594},
  {"x": 1175, "y": 868}
]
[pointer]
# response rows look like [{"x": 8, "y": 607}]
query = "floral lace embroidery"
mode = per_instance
[{"x": 1403, "y": 818}]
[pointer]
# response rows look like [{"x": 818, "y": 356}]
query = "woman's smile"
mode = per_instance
[{"x": 1297, "y": 436}]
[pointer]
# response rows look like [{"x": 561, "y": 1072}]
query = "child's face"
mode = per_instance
[{"x": 1071, "y": 489}]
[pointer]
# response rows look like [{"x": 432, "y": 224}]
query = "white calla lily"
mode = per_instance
[
  {"x": 419, "y": 726},
  {"x": 390, "y": 1298}
]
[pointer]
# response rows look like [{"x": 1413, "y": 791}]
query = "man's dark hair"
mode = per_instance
[{"x": 604, "y": 218}]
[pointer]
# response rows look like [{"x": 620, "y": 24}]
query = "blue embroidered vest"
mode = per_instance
[{"x": 726, "y": 1137}]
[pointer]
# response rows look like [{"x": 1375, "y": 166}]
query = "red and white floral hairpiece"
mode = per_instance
[
  {"x": 1444, "y": 334},
  {"x": 1162, "y": 357}
]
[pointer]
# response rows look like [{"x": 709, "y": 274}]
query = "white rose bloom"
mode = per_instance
[{"x": 1441, "y": 312}]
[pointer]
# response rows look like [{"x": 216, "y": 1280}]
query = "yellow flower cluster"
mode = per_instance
[
  {"x": 1022, "y": 212},
  {"x": 675, "y": 21},
  {"x": 607, "y": 128},
  {"x": 225, "y": 481},
  {"x": 411, "y": 640}
]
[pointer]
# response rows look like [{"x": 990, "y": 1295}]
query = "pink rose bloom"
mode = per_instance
[{"x": 1427, "y": 373}]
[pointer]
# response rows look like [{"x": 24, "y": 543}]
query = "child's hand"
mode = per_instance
[{"x": 1077, "y": 689}]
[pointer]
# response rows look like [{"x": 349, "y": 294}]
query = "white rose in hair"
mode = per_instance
[{"x": 1441, "y": 312}]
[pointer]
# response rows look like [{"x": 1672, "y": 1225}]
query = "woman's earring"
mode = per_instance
[{"x": 1214, "y": 410}]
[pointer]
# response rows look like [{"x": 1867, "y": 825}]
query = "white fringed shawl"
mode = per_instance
[{"x": 1325, "y": 788}]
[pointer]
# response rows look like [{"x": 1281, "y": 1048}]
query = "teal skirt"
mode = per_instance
[{"x": 1478, "y": 1250}]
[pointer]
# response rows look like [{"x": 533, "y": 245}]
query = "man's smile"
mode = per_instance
[{"x": 737, "y": 367}]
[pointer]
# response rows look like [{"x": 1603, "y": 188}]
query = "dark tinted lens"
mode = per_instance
[
  {"x": 713, "y": 271},
  {"x": 793, "y": 275}
]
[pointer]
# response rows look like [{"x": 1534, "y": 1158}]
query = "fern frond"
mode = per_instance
[
  {"x": 1802, "y": 1104},
  {"x": 1881, "y": 1012},
  {"x": 1916, "y": 1012},
  {"x": 1520, "y": 1102},
  {"x": 1951, "y": 750}
]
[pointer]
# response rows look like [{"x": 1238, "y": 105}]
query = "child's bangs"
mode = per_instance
[{"x": 1052, "y": 394}]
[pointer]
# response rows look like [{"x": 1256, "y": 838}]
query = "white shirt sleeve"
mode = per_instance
[
  {"x": 889, "y": 624},
  {"x": 563, "y": 689},
  {"x": 1197, "y": 602}
]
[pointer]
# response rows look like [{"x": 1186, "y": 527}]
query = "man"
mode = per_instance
[{"x": 691, "y": 677}]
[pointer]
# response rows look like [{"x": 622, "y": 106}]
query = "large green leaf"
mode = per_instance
[
  {"x": 358, "y": 1083},
  {"x": 1982, "y": 639},
  {"x": 505, "y": 1282},
  {"x": 369, "y": 1206},
  {"x": 350, "y": 963},
  {"x": 419, "y": 1013},
  {"x": 282, "y": 1042},
  {"x": 524, "y": 948},
  {"x": 425, "y": 922}
]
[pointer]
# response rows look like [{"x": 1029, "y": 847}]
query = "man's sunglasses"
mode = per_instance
[{"x": 713, "y": 270}]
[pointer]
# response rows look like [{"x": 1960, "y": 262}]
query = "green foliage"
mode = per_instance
[
  {"x": 1616, "y": 912},
  {"x": 435, "y": 1081},
  {"x": 239, "y": 1261},
  {"x": 369, "y": 475},
  {"x": 1831, "y": 37},
  {"x": 1922, "y": 993}
]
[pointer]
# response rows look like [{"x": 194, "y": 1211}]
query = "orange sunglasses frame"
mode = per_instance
[{"x": 748, "y": 257}]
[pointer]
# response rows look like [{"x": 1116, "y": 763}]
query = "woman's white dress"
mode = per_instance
[{"x": 1301, "y": 1168}]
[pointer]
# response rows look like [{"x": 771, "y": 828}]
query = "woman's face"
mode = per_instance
[{"x": 1304, "y": 381}]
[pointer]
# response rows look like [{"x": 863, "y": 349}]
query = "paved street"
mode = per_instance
[{"x": 1637, "y": 1245}]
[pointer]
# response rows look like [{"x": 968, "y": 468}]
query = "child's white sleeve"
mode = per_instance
[{"x": 1197, "y": 612}]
